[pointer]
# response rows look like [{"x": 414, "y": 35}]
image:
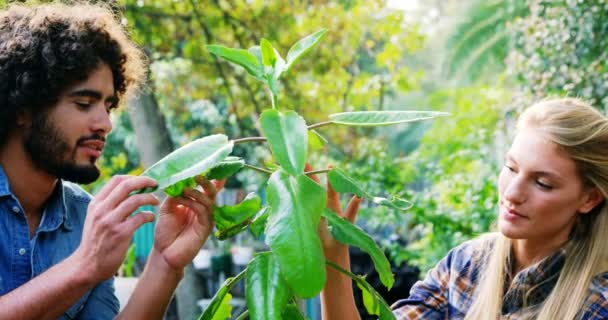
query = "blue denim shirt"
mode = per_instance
[{"x": 58, "y": 235}]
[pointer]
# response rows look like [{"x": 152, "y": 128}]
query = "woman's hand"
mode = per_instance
[
  {"x": 185, "y": 223},
  {"x": 331, "y": 247}
]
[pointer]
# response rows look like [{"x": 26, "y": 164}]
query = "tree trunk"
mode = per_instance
[{"x": 153, "y": 143}]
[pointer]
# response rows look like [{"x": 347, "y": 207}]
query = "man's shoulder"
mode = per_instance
[{"x": 74, "y": 192}]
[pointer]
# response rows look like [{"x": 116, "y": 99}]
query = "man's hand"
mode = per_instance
[
  {"x": 184, "y": 224},
  {"x": 109, "y": 226}
]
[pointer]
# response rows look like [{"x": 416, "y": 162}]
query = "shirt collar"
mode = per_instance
[
  {"x": 532, "y": 286},
  {"x": 5, "y": 190},
  {"x": 55, "y": 212}
]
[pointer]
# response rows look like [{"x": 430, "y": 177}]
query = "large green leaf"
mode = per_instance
[
  {"x": 373, "y": 301},
  {"x": 231, "y": 220},
  {"x": 215, "y": 307},
  {"x": 303, "y": 46},
  {"x": 292, "y": 312},
  {"x": 287, "y": 135},
  {"x": 343, "y": 183},
  {"x": 224, "y": 312},
  {"x": 350, "y": 234},
  {"x": 266, "y": 291},
  {"x": 239, "y": 57},
  {"x": 226, "y": 168},
  {"x": 296, "y": 204},
  {"x": 382, "y": 118},
  {"x": 258, "y": 224},
  {"x": 315, "y": 140},
  {"x": 193, "y": 159}
]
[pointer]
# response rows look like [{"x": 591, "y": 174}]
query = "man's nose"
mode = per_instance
[{"x": 101, "y": 122}]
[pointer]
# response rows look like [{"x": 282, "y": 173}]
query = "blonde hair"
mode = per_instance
[{"x": 582, "y": 132}]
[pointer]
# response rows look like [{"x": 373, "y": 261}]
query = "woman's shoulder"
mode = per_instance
[
  {"x": 474, "y": 249},
  {"x": 599, "y": 285},
  {"x": 468, "y": 257}
]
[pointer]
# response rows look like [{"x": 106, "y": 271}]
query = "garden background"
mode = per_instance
[{"x": 482, "y": 61}]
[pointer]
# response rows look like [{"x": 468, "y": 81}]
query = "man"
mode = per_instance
[{"x": 62, "y": 70}]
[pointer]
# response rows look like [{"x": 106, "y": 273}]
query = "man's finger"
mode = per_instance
[
  {"x": 198, "y": 196},
  {"x": 352, "y": 209},
  {"x": 124, "y": 188},
  {"x": 127, "y": 207},
  {"x": 136, "y": 221},
  {"x": 109, "y": 186},
  {"x": 219, "y": 184},
  {"x": 209, "y": 188}
]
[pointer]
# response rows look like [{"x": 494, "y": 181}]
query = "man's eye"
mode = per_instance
[
  {"x": 111, "y": 107},
  {"x": 81, "y": 104}
]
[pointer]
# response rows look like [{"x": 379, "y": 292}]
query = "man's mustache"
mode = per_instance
[{"x": 94, "y": 136}]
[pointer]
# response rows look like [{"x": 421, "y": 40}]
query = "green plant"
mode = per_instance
[
  {"x": 295, "y": 265},
  {"x": 129, "y": 262}
]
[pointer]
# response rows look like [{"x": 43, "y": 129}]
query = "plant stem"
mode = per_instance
[
  {"x": 258, "y": 169},
  {"x": 320, "y": 124},
  {"x": 337, "y": 267},
  {"x": 317, "y": 171},
  {"x": 249, "y": 139},
  {"x": 243, "y": 315}
]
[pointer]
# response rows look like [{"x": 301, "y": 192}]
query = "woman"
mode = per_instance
[{"x": 548, "y": 260}]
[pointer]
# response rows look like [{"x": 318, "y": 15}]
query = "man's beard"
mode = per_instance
[{"x": 48, "y": 150}]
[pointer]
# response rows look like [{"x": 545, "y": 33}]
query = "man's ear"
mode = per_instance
[
  {"x": 593, "y": 197},
  {"x": 24, "y": 119}
]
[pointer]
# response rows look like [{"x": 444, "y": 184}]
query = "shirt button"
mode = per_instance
[
  {"x": 22, "y": 251},
  {"x": 16, "y": 209}
]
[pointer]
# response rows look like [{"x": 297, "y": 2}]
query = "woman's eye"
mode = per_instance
[
  {"x": 509, "y": 168},
  {"x": 544, "y": 185}
]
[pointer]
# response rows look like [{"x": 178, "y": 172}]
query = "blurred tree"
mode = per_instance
[
  {"x": 561, "y": 49},
  {"x": 358, "y": 66},
  {"x": 478, "y": 43}
]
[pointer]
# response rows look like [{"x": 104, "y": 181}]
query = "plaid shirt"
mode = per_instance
[{"x": 448, "y": 289}]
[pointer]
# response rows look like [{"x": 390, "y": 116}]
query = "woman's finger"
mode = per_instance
[
  {"x": 333, "y": 199},
  {"x": 352, "y": 209},
  {"x": 308, "y": 167}
]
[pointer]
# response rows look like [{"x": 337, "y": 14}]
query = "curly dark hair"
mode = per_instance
[{"x": 45, "y": 49}]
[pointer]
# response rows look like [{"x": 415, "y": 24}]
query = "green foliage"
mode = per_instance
[
  {"x": 287, "y": 136},
  {"x": 219, "y": 307},
  {"x": 348, "y": 233},
  {"x": 296, "y": 204},
  {"x": 267, "y": 293},
  {"x": 373, "y": 302},
  {"x": 478, "y": 45},
  {"x": 342, "y": 183},
  {"x": 561, "y": 50},
  {"x": 296, "y": 264},
  {"x": 191, "y": 160},
  {"x": 231, "y": 220},
  {"x": 382, "y": 118},
  {"x": 129, "y": 262},
  {"x": 453, "y": 175}
]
